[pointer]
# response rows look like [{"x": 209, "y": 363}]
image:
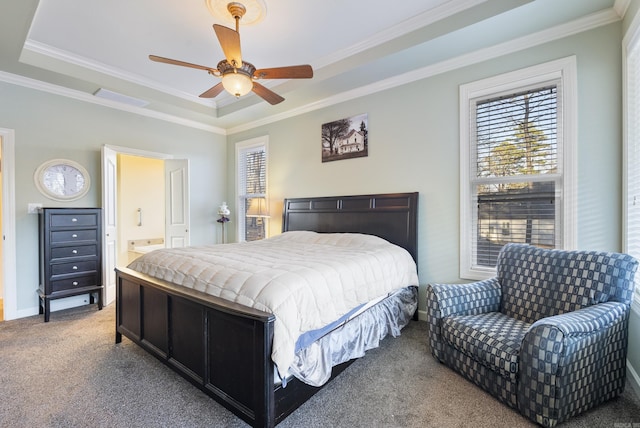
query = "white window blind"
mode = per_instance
[
  {"x": 632, "y": 145},
  {"x": 252, "y": 184},
  {"x": 515, "y": 178}
]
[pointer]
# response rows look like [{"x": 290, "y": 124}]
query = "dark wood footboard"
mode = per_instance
[{"x": 221, "y": 347}]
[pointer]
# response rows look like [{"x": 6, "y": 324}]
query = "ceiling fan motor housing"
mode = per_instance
[{"x": 247, "y": 68}]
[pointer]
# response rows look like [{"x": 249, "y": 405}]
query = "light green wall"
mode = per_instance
[{"x": 49, "y": 126}]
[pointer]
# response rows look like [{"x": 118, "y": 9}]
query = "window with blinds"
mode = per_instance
[
  {"x": 631, "y": 45},
  {"x": 515, "y": 180},
  {"x": 518, "y": 174},
  {"x": 252, "y": 185}
]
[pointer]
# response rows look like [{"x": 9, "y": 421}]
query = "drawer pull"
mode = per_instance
[
  {"x": 75, "y": 283},
  {"x": 74, "y": 251},
  {"x": 74, "y": 219},
  {"x": 75, "y": 235},
  {"x": 75, "y": 268}
]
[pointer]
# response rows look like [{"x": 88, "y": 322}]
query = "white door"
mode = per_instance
[
  {"x": 176, "y": 202},
  {"x": 8, "y": 208},
  {"x": 110, "y": 210}
]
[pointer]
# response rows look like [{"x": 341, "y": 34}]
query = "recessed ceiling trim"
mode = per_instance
[
  {"x": 67, "y": 57},
  {"x": 588, "y": 22},
  {"x": 621, "y": 7},
  {"x": 419, "y": 21},
  {"x": 39, "y": 85},
  {"x": 121, "y": 98}
]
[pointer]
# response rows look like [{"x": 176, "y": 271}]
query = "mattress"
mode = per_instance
[{"x": 306, "y": 279}]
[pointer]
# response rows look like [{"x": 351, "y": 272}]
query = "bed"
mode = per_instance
[{"x": 225, "y": 348}]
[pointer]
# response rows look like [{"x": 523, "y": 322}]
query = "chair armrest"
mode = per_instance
[
  {"x": 444, "y": 300},
  {"x": 563, "y": 353},
  {"x": 585, "y": 321}
]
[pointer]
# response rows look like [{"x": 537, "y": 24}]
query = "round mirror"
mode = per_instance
[{"x": 62, "y": 180}]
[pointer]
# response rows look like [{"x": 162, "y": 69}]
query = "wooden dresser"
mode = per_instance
[{"x": 70, "y": 255}]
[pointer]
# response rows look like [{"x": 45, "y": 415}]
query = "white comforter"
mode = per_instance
[{"x": 306, "y": 279}]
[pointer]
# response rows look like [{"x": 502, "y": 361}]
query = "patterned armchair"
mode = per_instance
[{"x": 547, "y": 335}]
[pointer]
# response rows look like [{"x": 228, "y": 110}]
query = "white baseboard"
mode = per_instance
[
  {"x": 56, "y": 305},
  {"x": 422, "y": 315},
  {"x": 23, "y": 313},
  {"x": 633, "y": 378}
]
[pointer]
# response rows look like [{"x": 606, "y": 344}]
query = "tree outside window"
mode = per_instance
[{"x": 516, "y": 162}]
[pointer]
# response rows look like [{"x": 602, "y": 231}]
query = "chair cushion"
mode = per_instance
[{"x": 492, "y": 339}]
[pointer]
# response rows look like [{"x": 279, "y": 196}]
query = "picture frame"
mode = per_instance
[{"x": 345, "y": 138}]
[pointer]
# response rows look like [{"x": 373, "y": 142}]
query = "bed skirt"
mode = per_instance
[{"x": 313, "y": 364}]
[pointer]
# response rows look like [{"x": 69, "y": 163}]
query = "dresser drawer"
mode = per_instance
[
  {"x": 64, "y": 236},
  {"x": 75, "y": 267},
  {"x": 71, "y": 283},
  {"x": 73, "y": 251},
  {"x": 74, "y": 220}
]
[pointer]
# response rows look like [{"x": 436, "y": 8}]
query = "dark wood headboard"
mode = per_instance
[{"x": 392, "y": 216}]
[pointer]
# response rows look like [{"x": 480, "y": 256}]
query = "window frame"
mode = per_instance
[
  {"x": 630, "y": 137},
  {"x": 564, "y": 70},
  {"x": 243, "y": 147}
]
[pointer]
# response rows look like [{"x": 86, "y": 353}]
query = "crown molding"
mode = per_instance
[
  {"x": 39, "y": 85},
  {"x": 588, "y": 22},
  {"x": 621, "y": 7},
  {"x": 98, "y": 67},
  {"x": 419, "y": 21}
]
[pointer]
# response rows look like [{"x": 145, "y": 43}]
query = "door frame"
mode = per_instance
[
  {"x": 125, "y": 151},
  {"x": 10, "y": 283}
]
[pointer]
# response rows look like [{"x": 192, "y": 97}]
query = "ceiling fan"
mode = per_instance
[{"x": 240, "y": 77}]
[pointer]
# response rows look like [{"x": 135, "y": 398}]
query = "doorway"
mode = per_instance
[
  {"x": 141, "y": 193},
  {"x": 126, "y": 220}
]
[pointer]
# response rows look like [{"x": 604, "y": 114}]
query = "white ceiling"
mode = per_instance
[{"x": 355, "y": 47}]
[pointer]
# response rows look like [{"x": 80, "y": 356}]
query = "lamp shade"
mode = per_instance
[
  {"x": 258, "y": 207},
  {"x": 237, "y": 84}
]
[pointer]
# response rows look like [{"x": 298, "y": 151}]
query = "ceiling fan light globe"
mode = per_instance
[{"x": 237, "y": 84}]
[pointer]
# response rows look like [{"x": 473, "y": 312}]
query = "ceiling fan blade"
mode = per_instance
[
  {"x": 230, "y": 42},
  {"x": 182, "y": 63},
  {"x": 213, "y": 91},
  {"x": 267, "y": 94},
  {"x": 291, "y": 72}
]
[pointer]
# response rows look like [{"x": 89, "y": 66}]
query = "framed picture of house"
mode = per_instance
[{"x": 345, "y": 138}]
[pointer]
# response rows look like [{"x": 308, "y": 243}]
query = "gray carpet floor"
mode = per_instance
[{"x": 69, "y": 373}]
